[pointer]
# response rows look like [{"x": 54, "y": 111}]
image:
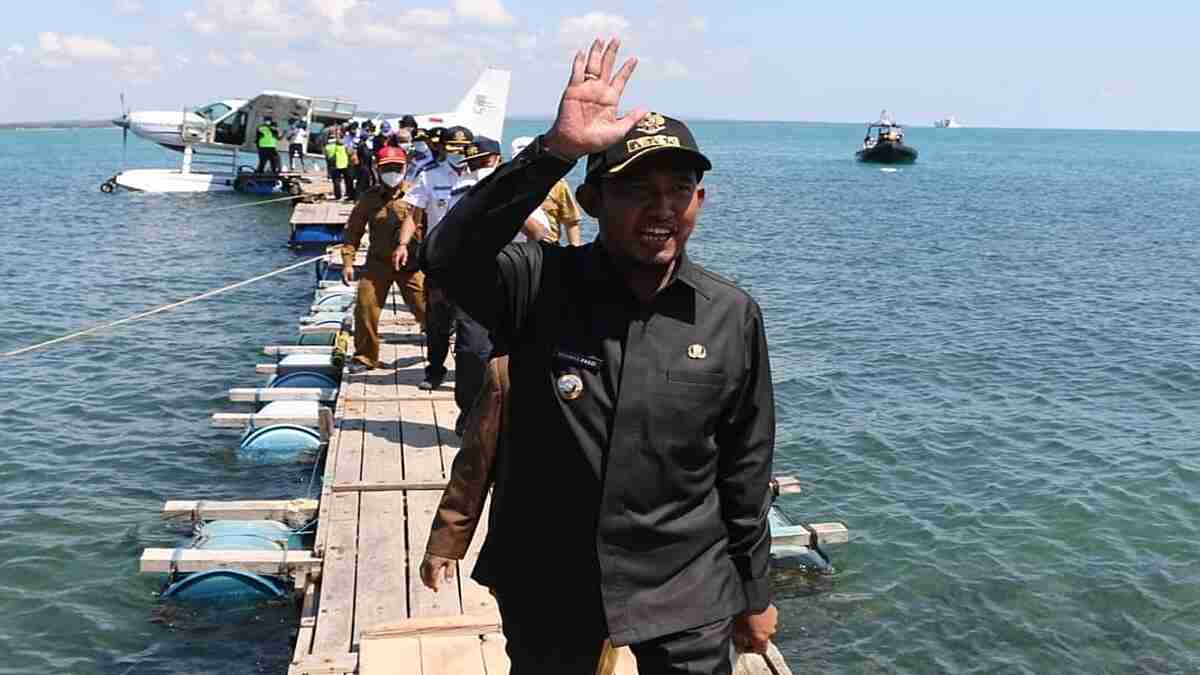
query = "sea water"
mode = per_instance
[{"x": 986, "y": 364}]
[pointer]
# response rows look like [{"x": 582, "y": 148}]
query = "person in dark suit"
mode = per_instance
[{"x": 635, "y": 485}]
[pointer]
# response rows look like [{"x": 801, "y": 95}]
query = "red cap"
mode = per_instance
[{"x": 391, "y": 155}]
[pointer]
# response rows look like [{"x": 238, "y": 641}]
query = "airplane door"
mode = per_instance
[{"x": 232, "y": 129}]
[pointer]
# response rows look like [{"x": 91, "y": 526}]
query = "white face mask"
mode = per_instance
[
  {"x": 484, "y": 172},
  {"x": 391, "y": 178}
]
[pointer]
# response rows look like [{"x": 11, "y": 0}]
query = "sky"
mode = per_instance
[{"x": 1020, "y": 63}]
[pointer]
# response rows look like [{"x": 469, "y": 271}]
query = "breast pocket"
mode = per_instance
[
  {"x": 691, "y": 402},
  {"x": 694, "y": 398}
]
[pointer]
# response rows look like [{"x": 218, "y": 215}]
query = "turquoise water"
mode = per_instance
[{"x": 985, "y": 364}]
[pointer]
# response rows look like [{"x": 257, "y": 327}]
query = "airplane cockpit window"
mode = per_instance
[
  {"x": 232, "y": 129},
  {"x": 213, "y": 111}
]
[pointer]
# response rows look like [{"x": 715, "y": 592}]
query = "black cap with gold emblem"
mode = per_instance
[
  {"x": 656, "y": 133},
  {"x": 482, "y": 147},
  {"x": 457, "y": 137}
]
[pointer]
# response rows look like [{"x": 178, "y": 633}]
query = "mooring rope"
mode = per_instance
[
  {"x": 257, "y": 203},
  {"x": 164, "y": 308}
]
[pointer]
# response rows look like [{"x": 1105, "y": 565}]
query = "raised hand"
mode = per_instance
[{"x": 587, "y": 119}]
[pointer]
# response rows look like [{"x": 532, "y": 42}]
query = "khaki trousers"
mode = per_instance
[{"x": 370, "y": 297}]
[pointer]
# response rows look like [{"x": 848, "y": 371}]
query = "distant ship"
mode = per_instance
[{"x": 947, "y": 123}]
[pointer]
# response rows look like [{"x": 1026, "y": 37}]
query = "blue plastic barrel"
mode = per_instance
[
  {"x": 317, "y": 339},
  {"x": 316, "y": 235},
  {"x": 336, "y": 302},
  {"x": 232, "y": 586},
  {"x": 304, "y": 379},
  {"x": 279, "y": 444}
]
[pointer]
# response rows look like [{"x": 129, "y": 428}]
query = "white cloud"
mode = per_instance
[
  {"x": 332, "y": 10},
  {"x": 74, "y": 48},
  {"x": 16, "y": 48},
  {"x": 424, "y": 18},
  {"x": 289, "y": 70},
  {"x": 487, "y": 12},
  {"x": 218, "y": 58},
  {"x": 580, "y": 30},
  {"x": 247, "y": 57},
  {"x": 127, "y": 6},
  {"x": 698, "y": 24},
  {"x": 256, "y": 19}
]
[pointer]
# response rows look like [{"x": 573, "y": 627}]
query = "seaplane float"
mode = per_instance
[{"x": 217, "y": 140}]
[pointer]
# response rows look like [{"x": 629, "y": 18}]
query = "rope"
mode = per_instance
[
  {"x": 259, "y": 203},
  {"x": 164, "y": 308}
]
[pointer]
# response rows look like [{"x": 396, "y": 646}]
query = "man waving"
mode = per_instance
[{"x": 632, "y": 499}]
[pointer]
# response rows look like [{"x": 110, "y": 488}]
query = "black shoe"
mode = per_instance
[
  {"x": 359, "y": 367},
  {"x": 460, "y": 425},
  {"x": 430, "y": 383}
]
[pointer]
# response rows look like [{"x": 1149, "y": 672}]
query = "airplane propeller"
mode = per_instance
[{"x": 124, "y": 131}]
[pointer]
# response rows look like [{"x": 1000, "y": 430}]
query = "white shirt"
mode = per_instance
[
  {"x": 299, "y": 137},
  {"x": 433, "y": 191},
  {"x": 540, "y": 216}
]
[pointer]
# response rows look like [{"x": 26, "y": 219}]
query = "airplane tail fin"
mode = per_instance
[{"x": 486, "y": 103}]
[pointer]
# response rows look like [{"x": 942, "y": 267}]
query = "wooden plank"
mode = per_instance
[
  {"x": 284, "y": 350},
  {"x": 293, "y": 511},
  {"x": 388, "y": 657},
  {"x": 239, "y": 420},
  {"x": 382, "y": 588},
  {"x": 798, "y": 535},
  {"x": 458, "y": 655},
  {"x": 458, "y": 625},
  {"x": 786, "y": 485},
  {"x": 387, "y": 486},
  {"x": 411, "y": 394},
  {"x": 335, "y": 615},
  {"x": 422, "y": 461},
  {"x": 199, "y": 560},
  {"x": 446, "y": 414},
  {"x": 315, "y": 330},
  {"x": 264, "y": 394},
  {"x": 476, "y": 598},
  {"x": 326, "y": 664},
  {"x": 308, "y": 623}
]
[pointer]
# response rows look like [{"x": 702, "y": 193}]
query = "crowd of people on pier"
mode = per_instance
[{"x": 403, "y": 181}]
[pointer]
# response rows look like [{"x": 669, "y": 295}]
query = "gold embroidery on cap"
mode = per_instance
[
  {"x": 652, "y": 123},
  {"x": 636, "y": 144},
  {"x": 697, "y": 352}
]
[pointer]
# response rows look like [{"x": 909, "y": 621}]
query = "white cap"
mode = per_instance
[{"x": 520, "y": 144}]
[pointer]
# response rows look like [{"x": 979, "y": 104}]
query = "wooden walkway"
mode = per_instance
[{"x": 390, "y": 452}]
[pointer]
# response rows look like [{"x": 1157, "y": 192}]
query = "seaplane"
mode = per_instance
[{"x": 217, "y": 140}]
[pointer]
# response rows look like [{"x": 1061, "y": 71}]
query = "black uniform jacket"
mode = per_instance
[{"x": 652, "y": 484}]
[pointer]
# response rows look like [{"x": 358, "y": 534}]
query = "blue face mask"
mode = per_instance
[
  {"x": 456, "y": 160},
  {"x": 420, "y": 149}
]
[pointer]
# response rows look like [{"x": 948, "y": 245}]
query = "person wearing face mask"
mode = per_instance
[
  {"x": 382, "y": 211},
  {"x": 472, "y": 344},
  {"x": 430, "y": 199}
]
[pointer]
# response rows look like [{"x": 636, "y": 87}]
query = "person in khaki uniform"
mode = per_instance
[{"x": 382, "y": 210}]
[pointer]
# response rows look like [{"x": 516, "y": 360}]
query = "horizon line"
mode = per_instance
[{"x": 525, "y": 117}]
